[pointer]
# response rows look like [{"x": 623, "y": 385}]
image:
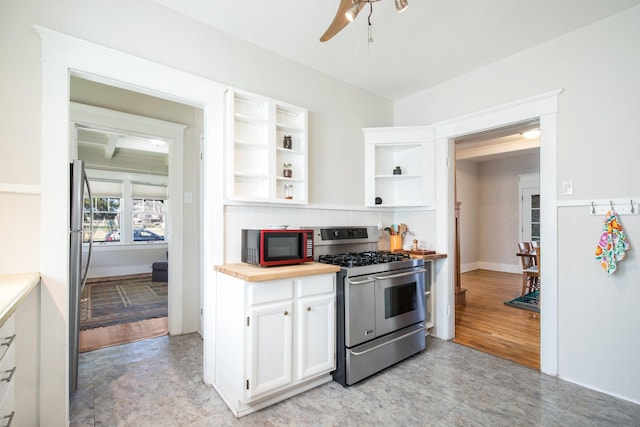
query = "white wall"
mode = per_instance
[
  {"x": 337, "y": 113},
  {"x": 467, "y": 184},
  {"x": 489, "y": 216},
  {"x": 499, "y": 210},
  {"x": 598, "y": 68},
  {"x": 130, "y": 259}
]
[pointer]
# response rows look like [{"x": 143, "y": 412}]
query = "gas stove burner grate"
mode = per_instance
[{"x": 363, "y": 258}]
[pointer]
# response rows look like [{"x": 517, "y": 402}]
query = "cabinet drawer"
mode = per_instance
[
  {"x": 269, "y": 291},
  {"x": 315, "y": 285},
  {"x": 7, "y": 373},
  {"x": 7, "y": 337}
]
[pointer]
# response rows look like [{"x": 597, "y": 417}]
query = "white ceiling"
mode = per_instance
[{"x": 431, "y": 42}]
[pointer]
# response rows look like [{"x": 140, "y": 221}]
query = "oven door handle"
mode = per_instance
[
  {"x": 358, "y": 353},
  {"x": 361, "y": 282},
  {"x": 408, "y": 273}
]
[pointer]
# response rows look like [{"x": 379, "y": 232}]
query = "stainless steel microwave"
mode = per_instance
[{"x": 269, "y": 247}]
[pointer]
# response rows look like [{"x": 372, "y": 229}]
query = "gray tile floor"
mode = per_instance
[{"x": 158, "y": 382}]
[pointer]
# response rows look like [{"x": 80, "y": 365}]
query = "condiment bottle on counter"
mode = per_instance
[{"x": 415, "y": 245}]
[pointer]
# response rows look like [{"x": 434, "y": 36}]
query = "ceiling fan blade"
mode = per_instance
[{"x": 340, "y": 20}]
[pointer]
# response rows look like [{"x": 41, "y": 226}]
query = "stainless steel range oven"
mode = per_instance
[{"x": 380, "y": 301}]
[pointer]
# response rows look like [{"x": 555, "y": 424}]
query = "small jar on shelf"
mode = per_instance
[
  {"x": 288, "y": 191},
  {"x": 287, "y": 143},
  {"x": 286, "y": 172}
]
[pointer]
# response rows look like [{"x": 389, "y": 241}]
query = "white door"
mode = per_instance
[
  {"x": 270, "y": 353},
  {"x": 530, "y": 212},
  {"x": 315, "y": 336}
]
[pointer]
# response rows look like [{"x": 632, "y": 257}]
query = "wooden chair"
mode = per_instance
[
  {"x": 525, "y": 248},
  {"x": 531, "y": 275},
  {"x": 534, "y": 244}
]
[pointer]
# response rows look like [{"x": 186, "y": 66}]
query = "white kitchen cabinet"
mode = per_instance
[
  {"x": 7, "y": 371},
  {"x": 263, "y": 138},
  {"x": 19, "y": 349},
  {"x": 274, "y": 338},
  {"x": 315, "y": 329},
  {"x": 270, "y": 333},
  {"x": 399, "y": 166}
]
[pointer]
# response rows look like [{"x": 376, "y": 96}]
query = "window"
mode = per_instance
[
  {"x": 535, "y": 217},
  {"x": 529, "y": 192},
  {"x": 125, "y": 211},
  {"x": 106, "y": 219},
  {"x": 148, "y": 220}
]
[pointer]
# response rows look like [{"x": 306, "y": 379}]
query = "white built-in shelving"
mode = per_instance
[
  {"x": 412, "y": 150},
  {"x": 256, "y": 151}
]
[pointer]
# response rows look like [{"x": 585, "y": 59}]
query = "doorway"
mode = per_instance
[
  {"x": 60, "y": 54},
  {"x": 489, "y": 167},
  {"x": 130, "y": 142},
  {"x": 544, "y": 107}
]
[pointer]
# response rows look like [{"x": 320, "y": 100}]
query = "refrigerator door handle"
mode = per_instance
[{"x": 86, "y": 269}]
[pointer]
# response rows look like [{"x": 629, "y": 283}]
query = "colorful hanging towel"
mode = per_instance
[{"x": 613, "y": 243}]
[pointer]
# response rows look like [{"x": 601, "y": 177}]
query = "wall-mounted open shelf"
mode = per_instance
[{"x": 256, "y": 151}]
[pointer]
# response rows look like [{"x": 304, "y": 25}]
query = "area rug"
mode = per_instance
[
  {"x": 113, "y": 302},
  {"x": 529, "y": 301}
]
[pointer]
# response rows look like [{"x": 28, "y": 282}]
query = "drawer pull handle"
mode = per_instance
[
  {"x": 10, "y": 377},
  {"x": 9, "y": 340},
  {"x": 286, "y": 313},
  {"x": 10, "y": 419}
]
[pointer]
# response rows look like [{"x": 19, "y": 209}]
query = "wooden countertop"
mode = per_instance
[
  {"x": 13, "y": 290},
  {"x": 253, "y": 273},
  {"x": 426, "y": 257}
]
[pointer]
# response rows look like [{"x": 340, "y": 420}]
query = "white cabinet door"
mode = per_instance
[
  {"x": 315, "y": 340},
  {"x": 269, "y": 353}
]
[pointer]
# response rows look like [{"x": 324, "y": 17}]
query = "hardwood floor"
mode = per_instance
[
  {"x": 93, "y": 339},
  {"x": 488, "y": 325}
]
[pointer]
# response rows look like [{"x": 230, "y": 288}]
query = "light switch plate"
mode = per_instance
[{"x": 567, "y": 188}]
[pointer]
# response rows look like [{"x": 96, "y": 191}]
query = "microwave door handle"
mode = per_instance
[{"x": 409, "y": 273}]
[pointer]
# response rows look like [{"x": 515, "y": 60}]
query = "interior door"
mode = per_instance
[{"x": 530, "y": 211}]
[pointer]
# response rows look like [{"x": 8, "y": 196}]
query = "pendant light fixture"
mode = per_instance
[
  {"x": 348, "y": 11},
  {"x": 401, "y": 5},
  {"x": 353, "y": 11}
]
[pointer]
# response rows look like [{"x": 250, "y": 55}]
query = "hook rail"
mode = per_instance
[{"x": 628, "y": 207}]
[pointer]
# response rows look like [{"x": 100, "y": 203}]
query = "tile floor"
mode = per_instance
[{"x": 158, "y": 382}]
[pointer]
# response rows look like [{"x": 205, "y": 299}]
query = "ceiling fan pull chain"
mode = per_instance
[{"x": 369, "y": 20}]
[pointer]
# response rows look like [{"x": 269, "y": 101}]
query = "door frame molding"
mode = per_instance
[
  {"x": 543, "y": 107},
  {"x": 62, "y": 55}
]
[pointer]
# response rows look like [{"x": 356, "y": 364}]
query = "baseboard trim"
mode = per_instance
[{"x": 491, "y": 266}]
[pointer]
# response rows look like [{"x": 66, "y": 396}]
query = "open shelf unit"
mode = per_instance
[
  {"x": 256, "y": 151},
  {"x": 411, "y": 149}
]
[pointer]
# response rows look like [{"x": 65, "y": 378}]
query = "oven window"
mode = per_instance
[{"x": 400, "y": 299}]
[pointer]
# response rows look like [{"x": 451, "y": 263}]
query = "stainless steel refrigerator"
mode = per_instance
[{"x": 77, "y": 278}]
